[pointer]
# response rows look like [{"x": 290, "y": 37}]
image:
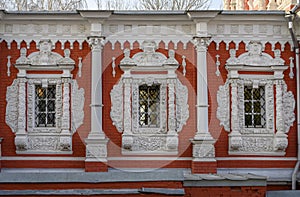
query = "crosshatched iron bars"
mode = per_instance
[
  {"x": 149, "y": 102},
  {"x": 45, "y": 106},
  {"x": 254, "y": 106}
]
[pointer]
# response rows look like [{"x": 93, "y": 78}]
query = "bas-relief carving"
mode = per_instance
[
  {"x": 53, "y": 139},
  {"x": 240, "y": 142},
  {"x": 255, "y": 56},
  {"x": 44, "y": 56},
  {"x": 11, "y": 114},
  {"x": 116, "y": 112},
  {"x": 96, "y": 151},
  {"x": 149, "y": 140},
  {"x": 288, "y": 108},
  {"x": 269, "y": 140},
  {"x": 203, "y": 151},
  {"x": 77, "y": 104},
  {"x": 182, "y": 109},
  {"x": 223, "y": 106}
]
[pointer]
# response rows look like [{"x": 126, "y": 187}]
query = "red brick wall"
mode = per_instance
[
  {"x": 108, "y": 81},
  {"x": 114, "y": 144},
  {"x": 8, "y": 147},
  {"x": 218, "y": 132},
  {"x": 226, "y": 191}
]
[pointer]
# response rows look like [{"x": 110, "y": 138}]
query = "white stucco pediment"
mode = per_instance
[
  {"x": 255, "y": 57},
  {"x": 149, "y": 57},
  {"x": 44, "y": 57}
]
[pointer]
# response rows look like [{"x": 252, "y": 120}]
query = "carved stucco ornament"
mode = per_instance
[
  {"x": 20, "y": 96},
  {"x": 11, "y": 114},
  {"x": 272, "y": 139},
  {"x": 125, "y": 105},
  {"x": 77, "y": 103}
]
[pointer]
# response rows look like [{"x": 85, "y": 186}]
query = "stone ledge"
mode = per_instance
[{"x": 163, "y": 191}]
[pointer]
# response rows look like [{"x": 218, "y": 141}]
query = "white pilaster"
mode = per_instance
[
  {"x": 96, "y": 141},
  {"x": 21, "y": 140},
  {"x": 96, "y": 44},
  {"x": 202, "y": 92},
  {"x": 127, "y": 139},
  {"x": 66, "y": 136},
  {"x": 203, "y": 142}
]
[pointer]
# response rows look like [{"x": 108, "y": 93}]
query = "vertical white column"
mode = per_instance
[
  {"x": 66, "y": 136},
  {"x": 66, "y": 106},
  {"x": 172, "y": 138},
  {"x": 171, "y": 103},
  {"x": 21, "y": 140},
  {"x": 234, "y": 108},
  {"x": 96, "y": 88},
  {"x": 127, "y": 137},
  {"x": 202, "y": 92},
  {"x": 96, "y": 143},
  {"x": 203, "y": 142}
]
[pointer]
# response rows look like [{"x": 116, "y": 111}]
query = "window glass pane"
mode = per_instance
[
  {"x": 41, "y": 106},
  {"x": 51, "y": 92},
  {"x": 51, "y": 119},
  {"x": 254, "y": 107},
  {"x": 248, "y": 107},
  {"x": 257, "y": 120},
  {"x": 40, "y": 92},
  {"x": 51, "y": 106},
  {"x": 149, "y": 105},
  {"x": 45, "y": 106},
  {"x": 247, "y": 93},
  {"x": 42, "y": 119},
  {"x": 248, "y": 120},
  {"x": 256, "y": 94},
  {"x": 257, "y": 107}
]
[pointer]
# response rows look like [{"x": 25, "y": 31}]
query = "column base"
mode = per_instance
[
  {"x": 204, "y": 161},
  {"x": 96, "y": 154},
  {"x": 95, "y": 166},
  {"x": 204, "y": 167}
]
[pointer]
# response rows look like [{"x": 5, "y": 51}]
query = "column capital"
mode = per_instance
[
  {"x": 96, "y": 42},
  {"x": 201, "y": 43}
]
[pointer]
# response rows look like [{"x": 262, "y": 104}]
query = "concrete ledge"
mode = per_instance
[
  {"x": 287, "y": 193},
  {"x": 80, "y": 192},
  {"x": 93, "y": 177},
  {"x": 77, "y": 192}
]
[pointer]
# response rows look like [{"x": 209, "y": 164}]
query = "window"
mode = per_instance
[
  {"x": 149, "y": 105},
  {"x": 254, "y": 107},
  {"x": 45, "y": 106}
]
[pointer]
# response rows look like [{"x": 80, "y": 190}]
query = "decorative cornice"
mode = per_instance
[
  {"x": 96, "y": 42},
  {"x": 201, "y": 43},
  {"x": 149, "y": 58}
]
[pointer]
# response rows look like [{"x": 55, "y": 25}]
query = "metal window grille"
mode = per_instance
[
  {"x": 149, "y": 102},
  {"x": 255, "y": 107},
  {"x": 45, "y": 106}
]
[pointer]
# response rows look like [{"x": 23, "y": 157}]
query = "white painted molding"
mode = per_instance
[
  {"x": 113, "y": 65},
  {"x": 77, "y": 104},
  {"x": 217, "y": 65},
  {"x": 8, "y": 65},
  {"x": 11, "y": 114},
  {"x": 271, "y": 140},
  {"x": 183, "y": 65},
  {"x": 80, "y": 66},
  {"x": 291, "y": 75},
  {"x": 31, "y": 139},
  {"x": 162, "y": 139}
]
